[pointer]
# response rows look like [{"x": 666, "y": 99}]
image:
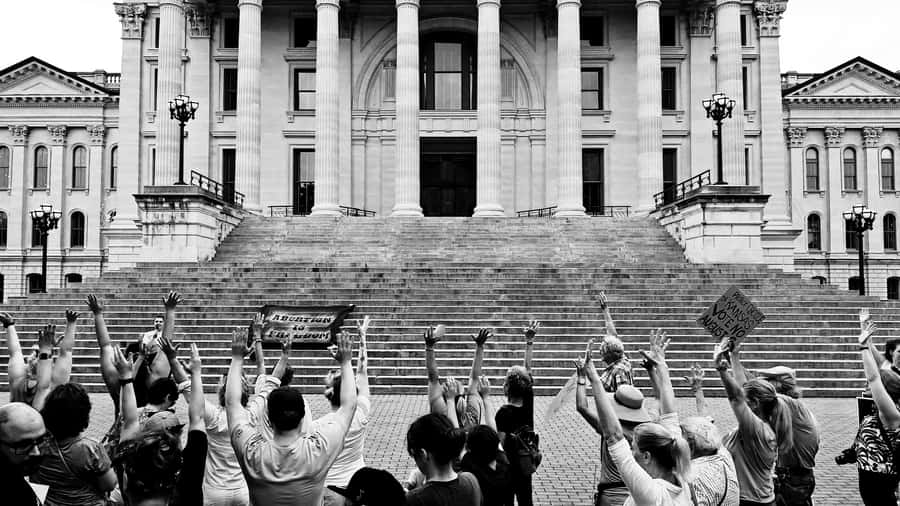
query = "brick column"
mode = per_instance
[
  {"x": 488, "y": 185},
  {"x": 729, "y": 66},
  {"x": 406, "y": 202},
  {"x": 327, "y": 110},
  {"x": 872, "y": 143},
  {"x": 248, "y": 102},
  {"x": 834, "y": 137},
  {"x": 196, "y": 156},
  {"x": 797, "y": 143},
  {"x": 18, "y": 237},
  {"x": 569, "y": 93},
  {"x": 649, "y": 113},
  {"x": 58, "y": 183},
  {"x": 171, "y": 49}
]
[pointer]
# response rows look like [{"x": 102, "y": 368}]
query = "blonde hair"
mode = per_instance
[
  {"x": 774, "y": 410},
  {"x": 670, "y": 451}
]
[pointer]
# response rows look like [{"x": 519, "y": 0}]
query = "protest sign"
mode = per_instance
[
  {"x": 309, "y": 326},
  {"x": 731, "y": 317}
]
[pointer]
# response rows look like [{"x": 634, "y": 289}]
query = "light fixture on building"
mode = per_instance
[
  {"x": 718, "y": 108},
  {"x": 858, "y": 221},
  {"x": 182, "y": 110},
  {"x": 45, "y": 219}
]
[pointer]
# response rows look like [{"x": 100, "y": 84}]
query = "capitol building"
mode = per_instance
[{"x": 484, "y": 108}]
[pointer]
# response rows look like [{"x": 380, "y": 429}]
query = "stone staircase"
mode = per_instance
[{"x": 468, "y": 273}]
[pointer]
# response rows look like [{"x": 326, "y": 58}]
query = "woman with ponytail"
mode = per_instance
[
  {"x": 656, "y": 469},
  {"x": 434, "y": 443}
]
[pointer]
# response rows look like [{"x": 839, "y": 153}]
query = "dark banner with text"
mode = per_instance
[{"x": 306, "y": 326}]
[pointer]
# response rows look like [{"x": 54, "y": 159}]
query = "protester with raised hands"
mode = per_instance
[
  {"x": 764, "y": 430},
  {"x": 46, "y": 341},
  {"x": 434, "y": 444},
  {"x": 21, "y": 373},
  {"x": 291, "y": 468},
  {"x": 436, "y": 402},
  {"x": 878, "y": 436},
  {"x": 470, "y": 408},
  {"x": 107, "y": 368},
  {"x": 617, "y": 368}
]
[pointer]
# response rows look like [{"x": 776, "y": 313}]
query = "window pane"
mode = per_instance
[
  {"x": 814, "y": 232},
  {"x": 447, "y": 91},
  {"x": 229, "y": 89},
  {"x": 4, "y": 157},
  {"x": 307, "y": 101},
  {"x": 669, "y": 97},
  {"x": 590, "y": 100},
  {"x": 4, "y": 167},
  {"x": 890, "y": 232},
  {"x": 447, "y": 57},
  {"x": 3, "y": 226},
  {"x": 307, "y": 166},
  {"x": 307, "y": 80},
  {"x": 592, "y": 28},
  {"x": 668, "y": 34},
  {"x": 849, "y": 169},
  {"x": 887, "y": 169},
  {"x": 113, "y": 166},
  {"x": 590, "y": 80},
  {"x": 304, "y": 31},
  {"x": 230, "y": 35}
]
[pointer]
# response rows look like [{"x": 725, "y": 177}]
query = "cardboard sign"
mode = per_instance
[
  {"x": 733, "y": 316},
  {"x": 310, "y": 326}
]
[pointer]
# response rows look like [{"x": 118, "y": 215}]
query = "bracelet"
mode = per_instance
[
  {"x": 582, "y": 383},
  {"x": 125, "y": 381}
]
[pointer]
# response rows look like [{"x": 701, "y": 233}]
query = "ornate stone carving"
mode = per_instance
[
  {"x": 200, "y": 19},
  {"x": 834, "y": 136},
  {"x": 768, "y": 15},
  {"x": 872, "y": 136},
  {"x": 132, "y": 18},
  {"x": 796, "y": 136},
  {"x": 19, "y": 134},
  {"x": 57, "y": 133},
  {"x": 97, "y": 133},
  {"x": 701, "y": 19}
]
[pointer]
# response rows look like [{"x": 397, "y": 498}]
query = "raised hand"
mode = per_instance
[
  {"x": 7, "y": 320},
  {"x": 167, "y": 347},
  {"x": 695, "y": 380},
  {"x": 47, "y": 338},
  {"x": 483, "y": 336},
  {"x": 531, "y": 330},
  {"x": 124, "y": 366},
  {"x": 362, "y": 326},
  {"x": 722, "y": 354},
  {"x": 195, "y": 365},
  {"x": 72, "y": 316},
  {"x": 484, "y": 386},
  {"x": 344, "y": 348},
  {"x": 580, "y": 367},
  {"x": 659, "y": 341},
  {"x": 239, "y": 345},
  {"x": 95, "y": 304},
  {"x": 604, "y": 302},
  {"x": 433, "y": 335},
  {"x": 867, "y": 329},
  {"x": 451, "y": 390},
  {"x": 172, "y": 300}
]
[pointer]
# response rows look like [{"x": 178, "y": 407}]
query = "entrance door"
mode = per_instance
[
  {"x": 592, "y": 181},
  {"x": 670, "y": 174},
  {"x": 448, "y": 177},
  {"x": 304, "y": 163}
]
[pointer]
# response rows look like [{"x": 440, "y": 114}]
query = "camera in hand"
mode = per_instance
[{"x": 847, "y": 456}]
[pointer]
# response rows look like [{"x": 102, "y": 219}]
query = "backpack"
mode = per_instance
[{"x": 524, "y": 452}]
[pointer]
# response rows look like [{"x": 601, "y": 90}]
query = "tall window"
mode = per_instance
[
  {"x": 592, "y": 30},
  {"x": 814, "y": 232},
  {"x": 592, "y": 89},
  {"x": 745, "y": 86},
  {"x": 812, "y": 169},
  {"x": 304, "y": 181},
  {"x": 304, "y": 31},
  {"x": 35, "y": 235},
  {"x": 4, "y": 223},
  {"x": 449, "y": 72},
  {"x": 887, "y": 169},
  {"x": 76, "y": 230},
  {"x": 304, "y": 89},
  {"x": 592, "y": 174},
  {"x": 41, "y": 167},
  {"x": 113, "y": 167},
  {"x": 744, "y": 28},
  {"x": 155, "y": 93},
  {"x": 156, "y": 32},
  {"x": 850, "y": 169},
  {"x": 79, "y": 167},
  {"x": 893, "y": 288},
  {"x": 229, "y": 89},
  {"x": 851, "y": 240},
  {"x": 670, "y": 174},
  {"x": 4, "y": 167},
  {"x": 229, "y": 161},
  {"x": 668, "y": 31},
  {"x": 230, "y": 33},
  {"x": 890, "y": 231},
  {"x": 669, "y": 89},
  {"x": 152, "y": 166},
  {"x": 35, "y": 283}
]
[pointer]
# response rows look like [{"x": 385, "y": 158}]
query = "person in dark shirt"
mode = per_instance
[
  {"x": 434, "y": 443},
  {"x": 22, "y": 437},
  {"x": 490, "y": 466}
]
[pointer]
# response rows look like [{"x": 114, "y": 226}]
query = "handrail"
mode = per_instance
[
  {"x": 226, "y": 193},
  {"x": 542, "y": 212},
  {"x": 355, "y": 211},
  {"x": 281, "y": 211},
  {"x": 284, "y": 211},
  {"x": 675, "y": 192},
  {"x": 610, "y": 212}
]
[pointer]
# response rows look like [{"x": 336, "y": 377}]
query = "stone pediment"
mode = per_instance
[
  {"x": 36, "y": 80},
  {"x": 858, "y": 80}
]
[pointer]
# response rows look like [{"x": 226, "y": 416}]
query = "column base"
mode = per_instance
[
  {"x": 406, "y": 211},
  {"x": 326, "y": 210},
  {"x": 570, "y": 211},
  {"x": 489, "y": 211}
]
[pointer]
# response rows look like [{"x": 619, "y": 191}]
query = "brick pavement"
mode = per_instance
[{"x": 570, "y": 466}]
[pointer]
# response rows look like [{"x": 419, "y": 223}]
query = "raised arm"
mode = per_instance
[
  {"x": 107, "y": 368},
  {"x": 362, "y": 360},
  {"x": 480, "y": 339},
  {"x": 171, "y": 353},
  {"x": 878, "y": 356},
  {"x": 484, "y": 390},
  {"x": 285, "y": 358},
  {"x": 46, "y": 339},
  {"x": 607, "y": 421},
  {"x": 233, "y": 386},
  {"x": 887, "y": 410},
  {"x": 435, "y": 390},
  {"x": 655, "y": 362},
  {"x": 450, "y": 392},
  {"x": 160, "y": 368},
  {"x": 740, "y": 374},
  {"x": 125, "y": 377},
  {"x": 256, "y": 329},
  {"x": 197, "y": 402},
  {"x": 695, "y": 381},
  {"x": 582, "y": 405},
  {"x": 607, "y": 318},
  {"x": 62, "y": 369},
  {"x": 344, "y": 357},
  {"x": 733, "y": 390},
  {"x": 530, "y": 331},
  {"x": 17, "y": 369}
]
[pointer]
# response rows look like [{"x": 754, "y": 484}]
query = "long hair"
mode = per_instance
[
  {"x": 774, "y": 409},
  {"x": 436, "y": 435},
  {"x": 669, "y": 450}
]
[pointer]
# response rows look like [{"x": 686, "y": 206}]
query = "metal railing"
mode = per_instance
[
  {"x": 610, "y": 212},
  {"x": 355, "y": 211},
  {"x": 224, "y": 192},
  {"x": 281, "y": 211},
  {"x": 675, "y": 192},
  {"x": 284, "y": 211},
  {"x": 543, "y": 212}
]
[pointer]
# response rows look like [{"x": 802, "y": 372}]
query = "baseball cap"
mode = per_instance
[
  {"x": 372, "y": 487},
  {"x": 701, "y": 433},
  {"x": 628, "y": 403},
  {"x": 776, "y": 371},
  {"x": 162, "y": 420}
]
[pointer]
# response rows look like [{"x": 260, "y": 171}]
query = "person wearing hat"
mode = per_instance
[
  {"x": 371, "y": 487},
  {"x": 617, "y": 368}
]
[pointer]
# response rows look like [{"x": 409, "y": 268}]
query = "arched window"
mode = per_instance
[
  {"x": 893, "y": 288},
  {"x": 814, "y": 232},
  {"x": 812, "y": 169},
  {"x": 448, "y": 66},
  {"x": 820, "y": 279},
  {"x": 853, "y": 284},
  {"x": 113, "y": 167},
  {"x": 73, "y": 278},
  {"x": 4, "y": 222},
  {"x": 36, "y": 236},
  {"x": 79, "y": 167},
  {"x": 890, "y": 231},
  {"x": 850, "y": 169},
  {"x": 4, "y": 167},
  {"x": 76, "y": 230},
  {"x": 41, "y": 167},
  {"x": 851, "y": 240},
  {"x": 35, "y": 283},
  {"x": 887, "y": 169}
]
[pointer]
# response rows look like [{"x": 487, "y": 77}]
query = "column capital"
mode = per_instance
[
  {"x": 412, "y": 3},
  {"x": 57, "y": 134},
  {"x": 328, "y": 3},
  {"x": 872, "y": 136},
  {"x": 768, "y": 15},
  {"x": 176, "y": 3},
  {"x": 97, "y": 133},
  {"x": 640, "y": 3},
  {"x": 479, "y": 3},
  {"x": 701, "y": 19},
  {"x": 252, "y": 3},
  {"x": 834, "y": 136},
  {"x": 200, "y": 19},
  {"x": 19, "y": 134},
  {"x": 560, "y": 3},
  {"x": 796, "y": 136},
  {"x": 132, "y": 18}
]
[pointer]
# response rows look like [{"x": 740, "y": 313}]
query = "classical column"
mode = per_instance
[
  {"x": 57, "y": 181},
  {"x": 327, "y": 110},
  {"x": 729, "y": 65},
  {"x": 171, "y": 48},
  {"x": 121, "y": 201},
  {"x": 872, "y": 143},
  {"x": 248, "y": 102},
  {"x": 97, "y": 134},
  {"x": 488, "y": 159},
  {"x": 700, "y": 30},
  {"x": 797, "y": 142},
  {"x": 649, "y": 113},
  {"x": 768, "y": 14},
  {"x": 19, "y": 184},
  {"x": 406, "y": 202},
  {"x": 199, "y": 17},
  {"x": 834, "y": 137},
  {"x": 569, "y": 91}
]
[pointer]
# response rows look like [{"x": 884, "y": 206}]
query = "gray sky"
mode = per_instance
[{"x": 82, "y": 35}]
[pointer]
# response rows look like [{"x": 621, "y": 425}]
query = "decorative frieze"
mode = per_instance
[
  {"x": 200, "y": 19},
  {"x": 796, "y": 136},
  {"x": 19, "y": 134},
  {"x": 768, "y": 15},
  {"x": 57, "y": 134},
  {"x": 701, "y": 20},
  {"x": 872, "y": 136},
  {"x": 97, "y": 133},
  {"x": 834, "y": 136},
  {"x": 132, "y": 18}
]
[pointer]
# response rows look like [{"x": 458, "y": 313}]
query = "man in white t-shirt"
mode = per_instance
[{"x": 289, "y": 469}]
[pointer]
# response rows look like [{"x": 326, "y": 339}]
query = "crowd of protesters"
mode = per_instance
[{"x": 258, "y": 443}]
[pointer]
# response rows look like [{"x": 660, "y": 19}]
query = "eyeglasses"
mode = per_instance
[{"x": 25, "y": 446}]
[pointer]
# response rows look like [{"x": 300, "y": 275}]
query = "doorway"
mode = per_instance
[
  {"x": 304, "y": 191},
  {"x": 448, "y": 176}
]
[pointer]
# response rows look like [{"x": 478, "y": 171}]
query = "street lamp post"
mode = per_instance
[
  {"x": 858, "y": 221},
  {"x": 45, "y": 219},
  {"x": 718, "y": 108},
  {"x": 182, "y": 110}
]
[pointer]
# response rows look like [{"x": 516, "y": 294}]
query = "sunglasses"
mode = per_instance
[{"x": 25, "y": 446}]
